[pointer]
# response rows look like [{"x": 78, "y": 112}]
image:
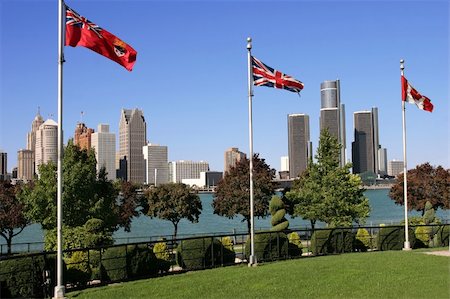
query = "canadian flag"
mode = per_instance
[{"x": 410, "y": 95}]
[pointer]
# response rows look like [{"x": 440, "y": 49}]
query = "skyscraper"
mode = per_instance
[
  {"x": 46, "y": 148},
  {"x": 395, "y": 168},
  {"x": 104, "y": 144},
  {"x": 231, "y": 157},
  {"x": 31, "y": 137},
  {"x": 366, "y": 143},
  {"x": 82, "y": 136},
  {"x": 25, "y": 165},
  {"x": 156, "y": 164},
  {"x": 332, "y": 113},
  {"x": 3, "y": 165},
  {"x": 132, "y": 137},
  {"x": 298, "y": 143},
  {"x": 382, "y": 161}
]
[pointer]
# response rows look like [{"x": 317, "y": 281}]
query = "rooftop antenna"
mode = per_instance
[
  {"x": 39, "y": 110},
  {"x": 81, "y": 116}
]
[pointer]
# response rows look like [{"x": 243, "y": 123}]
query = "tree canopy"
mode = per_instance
[
  {"x": 12, "y": 213},
  {"x": 425, "y": 183},
  {"x": 90, "y": 204},
  {"x": 173, "y": 202},
  {"x": 327, "y": 192},
  {"x": 232, "y": 195}
]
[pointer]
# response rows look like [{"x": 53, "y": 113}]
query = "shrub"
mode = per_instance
[
  {"x": 227, "y": 242},
  {"x": 22, "y": 277},
  {"x": 162, "y": 254},
  {"x": 269, "y": 246},
  {"x": 423, "y": 236},
  {"x": 78, "y": 269},
  {"x": 125, "y": 262},
  {"x": 441, "y": 237},
  {"x": 363, "y": 240},
  {"x": 332, "y": 241},
  {"x": 202, "y": 253},
  {"x": 393, "y": 238},
  {"x": 295, "y": 244}
]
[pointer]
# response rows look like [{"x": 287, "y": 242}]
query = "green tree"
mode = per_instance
[
  {"x": 12, "y": 213},
  {"x": 173, "y": 202},
  {"x": 425, "y": 183},
  {"x": 327, "y": 192},
  {"x": 91, "y": 209},
  {"x": 232, "y": 195}
]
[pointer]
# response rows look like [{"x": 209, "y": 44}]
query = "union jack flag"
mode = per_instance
[
  {"x": 264, "y": 75},
  {"x": 74, "y": 19}
]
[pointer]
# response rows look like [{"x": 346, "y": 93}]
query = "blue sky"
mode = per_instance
[{"x": 190, "y": 77}]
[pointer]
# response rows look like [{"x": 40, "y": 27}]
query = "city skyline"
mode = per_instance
[{"x": 182, "y": 81}]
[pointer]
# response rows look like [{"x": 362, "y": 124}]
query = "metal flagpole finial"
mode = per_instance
[
  {"x": 402, "y": 66},
  {"x": 249, "y": 43}
]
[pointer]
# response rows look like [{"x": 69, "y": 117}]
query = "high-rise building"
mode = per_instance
[
  {"x": 232, "y": 156},
  {"x": 82, "y": 136},
  {"x": 132, "y": 137},
  {"x": 156, "y": 164},
  {"x": 180, "y": 170},
  {"x": 25, "y": 165},
  {"x": 104, "y": 144},
  {"x": 46, "y": 149},
  {"x": 366, "y": 143},
  {"x": 332, "y": 114},
  {"x": 3, "y": 166},
  {"x": 382, "y": 161},
  {"x": 31, "y": 136},
  {"x": 298, "y": 143},
  {"x": 284, "y": 161},
  {"x": 394, "y": 167}
]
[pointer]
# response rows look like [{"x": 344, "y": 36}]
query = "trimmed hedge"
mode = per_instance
[
  {"x": 270, "y": 246},
  {"x": 441, "y": 238},
  {"x": 393, "y": 238},
  {"x": 127, "y": 262},
  {"x": 332, "y": 241},
  {"x": 24, "y": 277},
  {"x": 194, "y": 254}
]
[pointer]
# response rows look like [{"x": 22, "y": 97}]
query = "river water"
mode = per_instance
[{"x": 383, "y": 210}]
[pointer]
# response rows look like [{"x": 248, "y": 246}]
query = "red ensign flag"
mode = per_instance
[
  {"x": 410, "y": 95},
  {"x": 82, "y": 32}
]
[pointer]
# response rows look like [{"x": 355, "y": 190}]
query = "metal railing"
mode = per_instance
[{"x": 122, "y": 262}]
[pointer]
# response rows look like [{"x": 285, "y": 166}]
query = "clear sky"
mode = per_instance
[{"x": 190, "y": 78}]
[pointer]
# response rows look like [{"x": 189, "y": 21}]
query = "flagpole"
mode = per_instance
[
  {"x": 252, "y": 258},
  {"x": 406, "y": 245},
  {"x": 59, "y": 288}
]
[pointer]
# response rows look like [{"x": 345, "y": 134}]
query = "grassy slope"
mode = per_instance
[{"x": 393, "y": 274}]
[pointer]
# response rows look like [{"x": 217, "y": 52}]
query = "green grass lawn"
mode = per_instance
[{"x": 390, "y": 274}]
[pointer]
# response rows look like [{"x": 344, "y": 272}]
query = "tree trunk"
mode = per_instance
[
  {"x": 175, "y": 225},
  {"x": 249, "y": 227},
  {"x": 9, "y": 244},
  {"x": 313, "y": 222}
]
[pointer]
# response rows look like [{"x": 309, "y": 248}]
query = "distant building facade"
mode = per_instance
[
  {"x": 31, "y": 137},
  {"x": 25, "y": 165},
  {"x": 284, "y": 163},
  {"x": 298, "y": 143},
  {"x": 3, "y": 166},
  {"x": 132, "y": 137},
  {"x": 366, "y": 142},
  {"x": 207, "y": 180},
  {"x": 181, "y": 170},
  {"x": 46, "y": 148},
  {"x": 104, "y": 144},
  {"x": 82, "y": 136},
  {"x": 395, "y": 168},
  {"x": 156, "y": 164},
  {"x": 231, "y": 157},
  {"x": 382, "y": 161},
  {"x": 332, "y": 114}
]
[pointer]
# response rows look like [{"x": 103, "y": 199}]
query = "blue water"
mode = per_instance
[{"x": 383, "y": 210}]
